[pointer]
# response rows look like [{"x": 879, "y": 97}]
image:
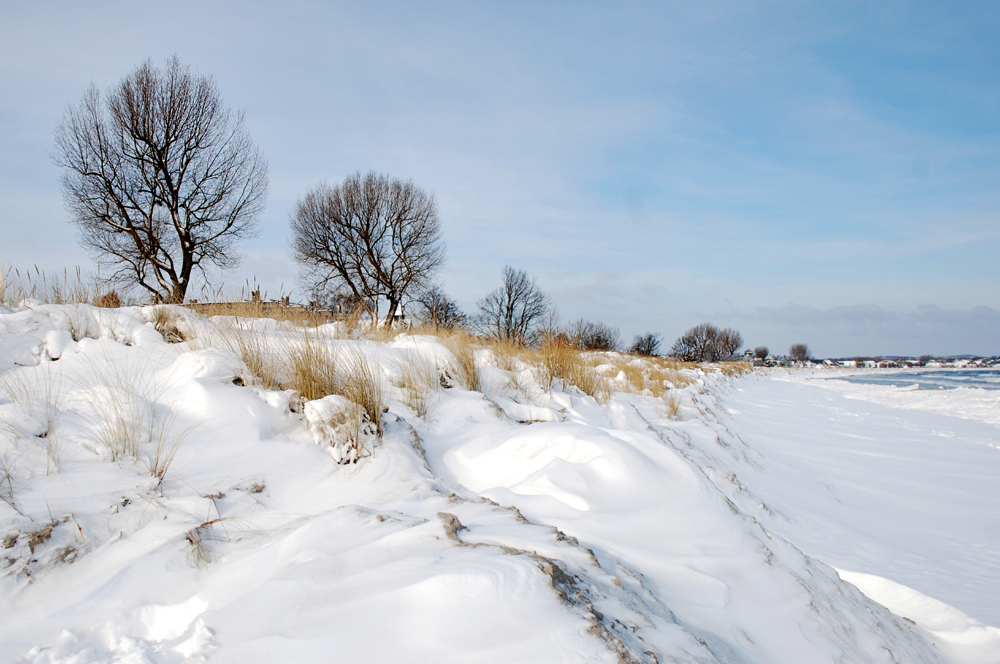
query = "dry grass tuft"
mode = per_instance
[
  {"x": 363, "y": 385},
  {"x": 672, "y": 406},
  {"x": 39, "y": 399},
  {"x": 553, "y": 360},
  {"x": 164, "y": 319},
  {"x": 508, "y": 354},
  {"x": 165, "y": 443},
  {"x": 734, "y": 368},
  {"x": 420, "y": 380},
  {"x": 129, "y": 421},
  {"x": 197, "y": 538},
  {"x": 108, "y": 300},
  {"x": 311, "y": 364},
  {"x": 592, "y": 383},
  {"x": 260, "y": 355},
  {"x": 465, "y": 368},
  {"x": 556, "y": 359},
  {"x": 16, "y": 287}
]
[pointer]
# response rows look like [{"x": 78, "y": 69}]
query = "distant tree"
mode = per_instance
[
  {"x": 371, "y": 236},
  {"x": 645, "y": 344},
  {"x": 707, "y": 343},
  {"x": 924, "y": 359},
  {"x": 161, "y": 178},
  {"x": 513, "y": 311},
  {"x": 588, "y": 335},
  {"x": 727, "y": 342},
  {"x": 436, "y": 309},
  {"x": 760, "y": 352},
  {"x": 799, "y": 352}
]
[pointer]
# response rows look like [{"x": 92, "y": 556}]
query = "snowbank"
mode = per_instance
[{"x": 160, "y": 504}]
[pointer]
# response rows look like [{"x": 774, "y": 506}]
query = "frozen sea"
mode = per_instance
[{"x": 930, "y": 379}]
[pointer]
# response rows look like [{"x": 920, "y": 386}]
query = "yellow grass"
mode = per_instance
[
  {"x": 419, "y": 380},
  {"x": 465, "y": 368},
  {"x": 734, "y": 368},
  {"x": 363, "y": 385},
  {"x": 69, "y": 288},
  {"x": 311, "y": 365},
  {"x": 672, "y": 407}
]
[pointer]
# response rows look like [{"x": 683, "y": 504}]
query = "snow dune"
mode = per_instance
[{"x": 523, "y": 525}]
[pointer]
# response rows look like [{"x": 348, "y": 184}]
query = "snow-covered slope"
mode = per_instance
[{"x": 158, "y": 507}]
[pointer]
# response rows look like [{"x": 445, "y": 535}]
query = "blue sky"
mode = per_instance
[{"x": 802, "y": 172}]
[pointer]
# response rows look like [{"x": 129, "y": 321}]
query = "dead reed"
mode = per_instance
[
  {"x": 362, "y": 384},
  {"x": 311, "y": 363},
  {"x": 419, "y": 380},
  {"x": 39, "y": 398},
  {"x": 465, "y": 369}
]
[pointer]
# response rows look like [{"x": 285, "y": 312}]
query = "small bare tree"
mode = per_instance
[
  {"x": 707, "y": 343},
  {"x": 161, "y": 178},
  {"x": 760, "y": 352},
  {"x": 799, "y": 352},
  {"x": 645, "y": 344},
  {"x": 434, "y": 308},
  {"x": 512, "y": 312},
  {"x": 587, "y": 335},
  {"x": 372, "y": 236},
  {"x": 727, "y": 342}
]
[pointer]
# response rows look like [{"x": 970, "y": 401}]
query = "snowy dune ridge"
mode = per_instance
[{"x": 162, "y": 502}]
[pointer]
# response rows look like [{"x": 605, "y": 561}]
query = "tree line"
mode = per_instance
[{"x": 163, "y": 180}]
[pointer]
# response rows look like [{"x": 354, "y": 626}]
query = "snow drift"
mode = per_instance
[{"x": 161, "y": 504}]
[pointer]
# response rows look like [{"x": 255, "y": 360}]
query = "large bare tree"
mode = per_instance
[
  {"x": 161, "y": 177},
  {"x": 371, "y": 236}
]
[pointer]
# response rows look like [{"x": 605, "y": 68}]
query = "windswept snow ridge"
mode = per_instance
[{"x": 161, "y": 505}]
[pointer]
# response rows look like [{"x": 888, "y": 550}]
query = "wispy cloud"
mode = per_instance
[{"x": 706, "y": 154}]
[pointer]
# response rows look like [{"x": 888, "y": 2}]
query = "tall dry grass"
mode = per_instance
[
  {"x": 419, "y": 380},
  {"x": 38, "y": 396},
  {"x": 734, "y": 368},
  {"x": 362, "y": 383},
  {"x": 128, "y": 418},
  {"x": 68, "y": 288},
  {"x": 556, "y": 359},
  {"x": 653, "y": 376},
  {"x": 465, "y": 369},
  {"x": 315, "y": 368},
  {"x": 311, "y": 365},
  {"x": 672, "y": 406}
]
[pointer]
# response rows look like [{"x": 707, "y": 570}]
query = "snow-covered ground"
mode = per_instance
[{"x": 158, "y": 506}]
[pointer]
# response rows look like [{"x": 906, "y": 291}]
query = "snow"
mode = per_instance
[
  {"x": 971, "y": 403},
  {"x": 160, "y": 506}
]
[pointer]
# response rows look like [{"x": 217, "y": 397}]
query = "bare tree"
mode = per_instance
[
  {"x": 645, "y": 344},
  {"x": 372, "y": 236},
  {"x": 161, "y": 178},
  {"x": 707, "y": 343},
  {"x": 587, "y": 335},
  {"x": 760, "y": 352},
  {"x": 727, "y": 342},
  {"x": 799, "y": 352},
  {"x": 512, "y": 311},
  {"x": 436, "y": 309}
]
